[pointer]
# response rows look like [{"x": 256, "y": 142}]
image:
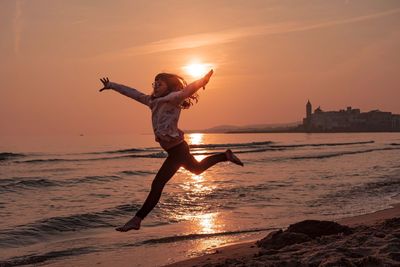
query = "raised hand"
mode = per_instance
[
  {"x": 206, "y": 78},
  {"x": 105, "y": 82}
]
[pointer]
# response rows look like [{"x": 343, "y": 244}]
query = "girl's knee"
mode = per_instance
[{"x": 195, "y": 170}]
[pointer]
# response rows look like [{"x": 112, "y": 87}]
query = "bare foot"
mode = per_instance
[
  {"x": 232, "y": 158},
  {"x": 132, "y": 224}
]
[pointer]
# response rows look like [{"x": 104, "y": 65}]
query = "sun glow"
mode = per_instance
[
  {"x": 197, "y": 70},
  {"x": 196, "y": 138}
]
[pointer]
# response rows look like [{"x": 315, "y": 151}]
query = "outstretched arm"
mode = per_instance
[
  {"x": 196, "y": 85},
  {"x": 125, "y": 90}
]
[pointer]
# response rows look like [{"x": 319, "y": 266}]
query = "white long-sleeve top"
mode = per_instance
[{"x": 165, "y": 112}]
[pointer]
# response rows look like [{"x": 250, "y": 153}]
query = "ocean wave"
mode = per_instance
[
  {"x": 14, "y": 185},
  {"x": 34, "y": 232},
  {"x": 9, "y": 155},
  {"x": 55, "y": 170},
  {"x": 135, "y": 152},
  {"x": 144, "y": 173},
  {"x": 258, "y": 147},
  {"x": 178, "y": 238},
  {"x": 339, "y": 154},
  {"x": 257, "y": 150},
  {"x": 377, "y": 188},
  {"x": 122, "y": 151},
  {"x": 249, "y": 191},
  {"x": 39, "y": 258},
  {"x": 28, "y": 183},
  {"x": 248, "y": 144},
  {"x": 92, "y": 179},
  {"x": 50, "y": 160},
  {"x": 161, "y": 154},
  {"x": 47, "y": 160},
  {"x": 250, "y": 147},
  {"x": 227, "y": 145},
  {"x": 387, "y": 187},
  {"x": 282, "y": 147},
  {"x": 323, "y": 144}
]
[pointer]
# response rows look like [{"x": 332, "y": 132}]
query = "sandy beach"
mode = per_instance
[{"x": 366, "y": 240}]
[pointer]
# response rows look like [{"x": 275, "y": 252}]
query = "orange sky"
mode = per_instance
[{"x": 269, "y": 58}]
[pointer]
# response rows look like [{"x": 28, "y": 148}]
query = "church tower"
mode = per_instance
[
  {"x": 308, "y": 110},
  {"x": 307, "y": 119}
]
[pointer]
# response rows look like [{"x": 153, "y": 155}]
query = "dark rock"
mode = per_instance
[
  {"x": 301, "y": 232},
  {"x": 379, "y": 234},
  {"x": 370, "y": 261},
  {"x": 392, "y": 223},
  {"x": 314, "y": 228},
  {"x": 334, "y": 262},
  {"x": 394, "y": 256},
  {"x": 280, "y": 239}
]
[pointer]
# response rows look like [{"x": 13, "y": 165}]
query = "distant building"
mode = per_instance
[{"x": 349, "y": 120}]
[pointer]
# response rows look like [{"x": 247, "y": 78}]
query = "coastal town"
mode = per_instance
[
  {"x": 321, "y": 121},
  {"x": 349, "y": 120}
]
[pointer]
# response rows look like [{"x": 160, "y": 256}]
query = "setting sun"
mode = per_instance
[
  {"x": 168, "y": 130},
  {"x": 197, "y": 70}
]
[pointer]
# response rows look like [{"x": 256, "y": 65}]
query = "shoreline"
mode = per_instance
[{"x": 246, "y": 251}]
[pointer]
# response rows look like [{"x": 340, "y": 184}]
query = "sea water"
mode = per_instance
[{"x": 62, "y": 197}]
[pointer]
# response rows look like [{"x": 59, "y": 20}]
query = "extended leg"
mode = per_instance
[
  {"x": 167, "y": 170},
  {"x": 198, "y": 167}
]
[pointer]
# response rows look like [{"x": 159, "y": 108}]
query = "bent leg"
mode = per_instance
[
  {"x": 198, "y": 167},
  {"x": 167, "y": 170}
]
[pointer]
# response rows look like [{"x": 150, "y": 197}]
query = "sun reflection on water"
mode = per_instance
[
  {"x": 206, "y": 223},
  {"x": 209, "y": 223},
  {"x": 198, "y": 186},
  {"x": 196, "y": 138},
  {"x": 198, "y": 190}
]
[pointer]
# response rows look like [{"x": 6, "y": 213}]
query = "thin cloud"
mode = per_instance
[
  {"x": 206, "y": 39},
  {"x": 79, "y": 21},
  {"x": 17, "y": 27},
  {"x": 347, "y": 21}
]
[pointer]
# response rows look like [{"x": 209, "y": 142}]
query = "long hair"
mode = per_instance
[{"x": 176, "y": 83}]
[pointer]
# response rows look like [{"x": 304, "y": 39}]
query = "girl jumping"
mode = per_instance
[{"x": 171, "y": 94}]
